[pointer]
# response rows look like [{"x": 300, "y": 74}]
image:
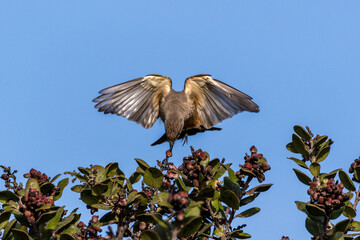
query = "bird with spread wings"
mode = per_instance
[{"x": 202, "y": 104}]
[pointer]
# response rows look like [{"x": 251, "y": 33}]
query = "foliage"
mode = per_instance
[
  {"x": 328, "y": 203},
  {"x": 191, "y": 201}
]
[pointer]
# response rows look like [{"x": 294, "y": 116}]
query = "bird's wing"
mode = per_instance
[
  {"x": 137, "y": 100},
  {"x": 215, "y": 100}
]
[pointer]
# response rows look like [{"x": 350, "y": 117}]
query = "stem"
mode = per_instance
[
  {"x": 357, "y": 198},
  {"x": 175, "y": 230},
  {"x": 228, "y": 224},
  {"x": 212, "y": 214}
]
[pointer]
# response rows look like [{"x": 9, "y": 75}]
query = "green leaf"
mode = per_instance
[
  {"x": 102, "y": 206},
  {"x": 46, "y": 188},
  {"x": 153, "y": 177},
  {"x": 219, "y": 232},
  {"x": 249, "y": 199},
  {"x": 320, "y": 141},
  {"x": 162, "y": 199},
  {"x": 55, "y": 220},
  {"x": 4, "y": 218},
  {"x": 315, "y": 210},
  {"x": 248, "y": 213},
  {"x": 32, "y": 183},
  {"x": 142, "y": 164},
  {"x": 7, "y": 196},
  {"x": 290, "y": 147},
  {"x": 313, "y": 227},
  {"x": 336, "y": 212},
  {"x": 219, "y": 173},
  {"x": 206, "y": 226},
  {"x": 135, "y": 177},
  {"x": 302, "y": 132},
  {"x": 150, "y": 235},
  {"x": 232, "y": 174},
  {"x": 216, "y": 205},
  {"x": 99, "y": 189},
  {"x": 62, "y": 184},
  {"x": 180, "y": 183},
  {"x": 78, "y": 188},
  {"x": 8, "y": 229},
  {"x": 233, "y": 186},
  {"x": 205, "y": 193},
  {"x": 100, "y": 173},
  {"x": 322, "y": 154},
  {"x": 239, "y": 234},
  {"x": 45, "y": 217},
  {"x": 85, "y": 171},
  {"x": 345, "y": 179},
  {"x": 343, "y": 225},
  {"x": 301, "y": 206},
  {"x": 315, "y": 169},
  {"x": 260, "y": 188},
  {"x": 66, "y": 236},
  {"x": 20, "y": 234},
  {"x": 66, "y": 222},
  {"x": 247, "y": 172},
  {"x": 54, "y": 178},
  {"x": 299, "y": 145},
  {"x": 302, "y": 177},
  {"x": 192, "y": 211},
  {"x": 190, "y": 227},
  {"x": 299, "y": 162},
  {"x": 349, "y": 212},
  {"x": 332, "y": 174},
  {"x": 357, "y": 173},
  {"x": 112, "y": 169},
  {"x": 230, "y": 198},
  {"x": 88, "y": 198},
  {"x": 355, "y": 226}
]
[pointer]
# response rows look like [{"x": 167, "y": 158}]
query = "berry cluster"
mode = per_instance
[
  {"x": 179, "y": 200},
  {"x": 327, "y": 195},
  {"x": 355, "y": 164},
  {"x": 170, "y": 176},
  {"x": 10, "y": 179},
  {"x": 37, "y": 175},
  {"x": 254, "y": 165},
  {"x": 120, "y": 205},
  {"x": 192, "y": 169},
  {"x": 31, "y": 202},
  {"x": 89, "y": 232}
]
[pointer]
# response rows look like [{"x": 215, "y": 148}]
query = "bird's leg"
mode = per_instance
[
  {"x": 185, "y": 138},
  {"x": 171, "y": 145}
]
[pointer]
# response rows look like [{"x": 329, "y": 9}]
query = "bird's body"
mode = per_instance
[{"x": 203, "y": 103}]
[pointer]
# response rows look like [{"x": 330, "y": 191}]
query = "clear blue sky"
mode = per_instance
[{"x": 299, "y": 60}]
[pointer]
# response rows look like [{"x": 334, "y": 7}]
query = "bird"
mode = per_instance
[{"x": 204, "y": 103}]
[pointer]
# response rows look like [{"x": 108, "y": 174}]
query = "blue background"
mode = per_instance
[{"x": 299, "y": 60}]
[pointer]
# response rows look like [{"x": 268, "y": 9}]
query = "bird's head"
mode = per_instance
[{"x": 173, "y": 127}]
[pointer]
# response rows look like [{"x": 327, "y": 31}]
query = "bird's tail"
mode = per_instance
[
  {"x": 161, "y": 140},
  {"x": 185, "y": 133}
]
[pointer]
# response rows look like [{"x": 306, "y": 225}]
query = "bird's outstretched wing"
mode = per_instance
[
  {"x": 137, "y": 100},
  {"x": 215, "y": 100}
]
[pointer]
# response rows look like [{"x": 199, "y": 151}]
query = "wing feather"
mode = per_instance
[
  {"x": 137, "y": 100},
  {"x": 215, "y": 100}
]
